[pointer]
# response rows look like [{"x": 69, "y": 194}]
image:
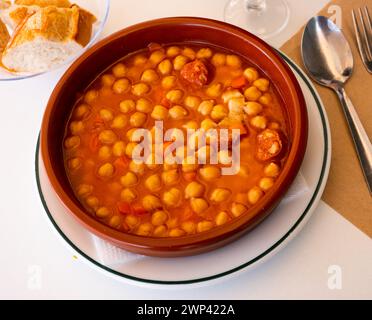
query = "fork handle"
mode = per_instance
[{"x": 362, "y": 143}]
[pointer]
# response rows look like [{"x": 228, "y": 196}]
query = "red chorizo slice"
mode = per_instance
[
  {"x": 269, "y": 145},
  {"x": 195, "y": 73}
]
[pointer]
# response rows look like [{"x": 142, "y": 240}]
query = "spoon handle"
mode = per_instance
[{"x": 362, "y": 143}]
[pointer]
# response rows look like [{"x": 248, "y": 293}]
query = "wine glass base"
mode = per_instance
[{"x": 265, "y": 23}]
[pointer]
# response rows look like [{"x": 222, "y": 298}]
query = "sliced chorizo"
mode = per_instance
[
  {"x": 195, "y": 73},
  {"x": 269, "y": 145}
]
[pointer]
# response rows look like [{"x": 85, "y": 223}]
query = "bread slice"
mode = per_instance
[
  {"x": 43, "y": 40},
  {"x": 5, "y": 4},
  {"x": 4, "y": 36},
  {"x": 44, "y": 3}
]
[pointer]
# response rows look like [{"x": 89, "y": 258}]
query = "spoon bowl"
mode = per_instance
[{"x": 328, "y": 59}]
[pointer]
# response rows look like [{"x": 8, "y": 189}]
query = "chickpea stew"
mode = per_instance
[{"x": 187, "y": 87}]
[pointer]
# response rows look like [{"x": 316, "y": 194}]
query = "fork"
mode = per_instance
[{"x": 364, "y": 37}]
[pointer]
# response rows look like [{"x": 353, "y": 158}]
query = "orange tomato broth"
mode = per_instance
[{"x": 130, "y": 217}]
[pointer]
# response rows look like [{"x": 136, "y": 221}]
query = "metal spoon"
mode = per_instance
[{"x": 328, "y": 58}]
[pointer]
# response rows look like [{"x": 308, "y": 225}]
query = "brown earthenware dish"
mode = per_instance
[{"x": 166, "y": 31}]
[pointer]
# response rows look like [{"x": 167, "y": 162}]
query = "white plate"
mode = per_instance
[
  {"x": 100, "y": 8},
  {"x": 247, "y": 252}
]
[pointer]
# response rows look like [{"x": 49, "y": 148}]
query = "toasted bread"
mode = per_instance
[
  {"x": 44, "y": 3},
  {"x": 4, "y": 36},
  {"x": 85, "y": 27},
  {"x": 4, "y": 4},
  {"x": 44, "y": 39}
]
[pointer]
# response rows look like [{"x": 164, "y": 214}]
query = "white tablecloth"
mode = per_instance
[{"x": 28, "y": 245}]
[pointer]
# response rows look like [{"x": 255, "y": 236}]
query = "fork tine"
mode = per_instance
[
  {"x": 358, "y": 37},
  {"x": 366, "y": 37},
  {"x": 366, "y": 13}
]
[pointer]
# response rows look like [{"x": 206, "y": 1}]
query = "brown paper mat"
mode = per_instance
[{"x": 346, "y": 190}]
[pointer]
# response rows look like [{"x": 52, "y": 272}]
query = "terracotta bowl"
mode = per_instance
[{"x": 164, "y": 31}]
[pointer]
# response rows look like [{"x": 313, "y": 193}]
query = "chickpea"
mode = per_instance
[
  {"x": 172, "y": 198},
  {"x": 130, "y": 149},
  {"x": 151, "y": 203},
  {"x": 132, "y": 221},
  {"x": 259, "y": 122},
  {"x": 253, "y": 108},
  {"x": 107, "y": 137},
  {"x": 72, "y": 142},
  {"x": 159, "y": 113},
  {"x": 130, "y": 134},
  {"x": 81, "y": 111},
  {"x": 204, "y": 53},
  {"x": 165, "y": 67},
  {"x": 138, "y": 119},
  {"x": 262, "y": 84},
  {"x": 159, "y": 218},
  {"x": 170, "y": 177},
  {"x": 160, "y": 231},
  {"x": 199, "y": 205},
  {"x": 156, "y": 57},
  {"x": 178, "y": 113},
  {"x": 266, "y": 99},
  {"x": 266, "y": 184},
  {"x": 144, "y": 229},
  {"x": 209, "y": 173},
  {"x": 92, "y": 202},
  {"x": 274, "y": 126},
  {"x": 149, "y": 76},
  {"x": 206, "y": 107},
  {"x": 189, "y": 227},
  {"x": 153, "y": 183},
  {"x": 189, "y": 165},
  {"x": 169, "y": 165},
  {"x": 192, "y": 125},
  {"x": 103, "y": 213},
  {"x": 104, "y": 153},
  {"x": 224, "y": 157},
  {"x": 90, "y": 96},
  {"x": 144, "y": 105},
  {"x": 127, "y": 106},
  {"x": 118, "y": 149},
  {"x": 214, "y": 90},
  {"x": 121, "y": 86},
  {"x": 221, "y": 218},
  {"x": 106, "y": 171},
  {"x": 119, "y": 122},
  {"x": 219, "y": 112},
  {"x": 128, "y": 195},
  {"x": 219, "y": 60},
  {"x": 169, "y": 82},
  {"x": 76, "y": 127},
  {"x": 237, "y": 209},
  {"x": 251, "y": 74},
  {"x": 107, "y": 80},
  {"x": 252, "y": 93},
  {"x": 106, "y": 115},
  {"x": 74, "y": 163},
  {"x": 84, "y": 190},
  {"x": 120, "y": 70},
  {"x": 192, "y": 102},
  {"x": 208, "y": 124},
  {"x": 254, "y": 195},
  {"x": 272, "y": 170},
  {"x": 220, "y": 195},
  {"x": 173, "y": 51},
  {"x": 189, "y": 53},
  {"x": 151, "y": 162},
  {"x": 204, "y": 226},
  {"x": 233, "y": 61},
  {"x": 129, "y": 180},
  {"x": 140, "y": 89},
  {"x": 139, "y": 60},
  {"x": 115, "y": 221},
  {"x": 179, "y": 62},
  {"x": 194, "y": 190},
  {"x": 175, "y": 96},
  {"x": 174, "y": 233},
  {"x": 137, "y": 167}
]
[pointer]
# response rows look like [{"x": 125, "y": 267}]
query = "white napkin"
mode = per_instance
[{"x": 110, "y": 255}]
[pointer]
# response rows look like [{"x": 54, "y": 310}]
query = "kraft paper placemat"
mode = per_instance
[{"x": 346, "y": 190}]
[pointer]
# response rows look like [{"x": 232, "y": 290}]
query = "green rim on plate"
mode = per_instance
[{"x": 228, "y": 272}]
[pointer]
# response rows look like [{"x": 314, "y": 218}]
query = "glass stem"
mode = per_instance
[{"x": 256, "y": 5}]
